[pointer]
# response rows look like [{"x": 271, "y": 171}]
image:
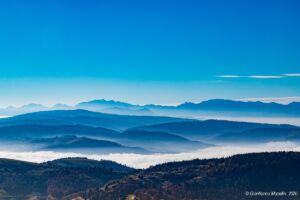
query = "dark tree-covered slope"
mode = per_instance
[
  {"x": 213, "y": 179},
  {"x": 23, "y": 180}
]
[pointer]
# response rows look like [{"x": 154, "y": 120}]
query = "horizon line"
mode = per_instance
[{"x": 278, "y": 100}]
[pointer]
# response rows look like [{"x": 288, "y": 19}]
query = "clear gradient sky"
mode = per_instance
[{"x": 154, "y": 51}]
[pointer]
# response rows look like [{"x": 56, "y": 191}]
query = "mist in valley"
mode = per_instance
[{"x": 144, "y": 161}]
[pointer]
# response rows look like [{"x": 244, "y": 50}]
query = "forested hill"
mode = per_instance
[
  {"x": 53, "y": 180},
  {"x": 213, "y": 179}
]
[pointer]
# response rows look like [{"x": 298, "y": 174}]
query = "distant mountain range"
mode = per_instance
[
  {"x": 213, "y": 179},
  {"x": 104, "y": 104},
  {"x": 214, "y": 106}
]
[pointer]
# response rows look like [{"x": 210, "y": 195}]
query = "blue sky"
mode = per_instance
[{"x": 148, "y": 51}]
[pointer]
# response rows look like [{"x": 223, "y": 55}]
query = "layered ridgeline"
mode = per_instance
[
  {"x": 92, "y": 132},
  {"x": 210, "y": 129},
  {"x": 216, "y": 107},
  {"x": 214, "y": 179},
  {"x": 84, "y": 117},
  {"x": 221, "y": 131},
  {"x": 80, "y": 131},
  {"x": 72, "y": 143}
]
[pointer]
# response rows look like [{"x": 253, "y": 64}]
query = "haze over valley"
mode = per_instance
[{"x": 146, "y": 135}]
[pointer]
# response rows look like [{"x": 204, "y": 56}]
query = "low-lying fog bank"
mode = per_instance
[{"x": 144, "y": 161}]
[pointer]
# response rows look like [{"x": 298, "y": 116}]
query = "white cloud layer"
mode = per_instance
[
  {"x": 264, "y": 77},
  {"x": 229, "y": 76},
  {"x": 144, "y": 161},
  {"x": 292, "y": 75},
  {"x": 260, "y": 76}
]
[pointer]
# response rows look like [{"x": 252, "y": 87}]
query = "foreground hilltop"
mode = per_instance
[
  {"x": 213, "y": 179},
  {"x": 53, "y": 180}
]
